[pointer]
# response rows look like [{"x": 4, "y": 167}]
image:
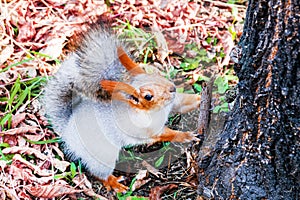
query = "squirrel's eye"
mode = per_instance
[{"x": 148, "y": 97}]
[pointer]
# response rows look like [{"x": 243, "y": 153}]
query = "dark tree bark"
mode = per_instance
[{"x": 258, "y": 153}]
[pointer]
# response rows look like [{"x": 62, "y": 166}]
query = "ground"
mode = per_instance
[{"x": 187, "y": 41}]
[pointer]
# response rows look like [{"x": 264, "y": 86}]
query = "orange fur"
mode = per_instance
[
  {"x": 112, "y": 182},
  {"x": 129, "y": 64},
  {"x": 170, "y": 135},
  {"x": 186, "y": 102},
  {"x": 114, "y": 86}
]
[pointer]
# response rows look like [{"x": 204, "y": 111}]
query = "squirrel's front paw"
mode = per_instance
[
  {"x": 175, "y": 136},
  {"x": 185, "y": 137}
]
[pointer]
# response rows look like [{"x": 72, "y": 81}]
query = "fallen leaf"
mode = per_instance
[
  {"x": 12, "y": 140},
  {"x": 26, "y": 31},
  {"x": 36, "y": 169},
  {"x": 141, "y": 179},
  {"x": 27, "y": 175},
  {"x": 3, "y": 164},
  {"x": 157, "y": 191},
  {"x": 162, "y": 45},
  {"x": 2, "y": 194},
  {"x": 25, "y": 150},
  {"x": 151, "y": 169},
  {"x": 35, "y": 137},
  {"x": 21, "y": 130},
  {"x": 60, "y": 164},
  {"x": 82, "y": 182},
  {"x": 54, "y": 47},
  {"x": 228, "y": 45},
  {"x": 18, "y": 118},
  {"x": 58, "y": 151},
  {"x": 50, "y": 191},
  {"x": 8, "y": 77},
  {"x": 6, "y": 53}
]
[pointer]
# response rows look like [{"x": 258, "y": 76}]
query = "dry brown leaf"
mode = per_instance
[
  {"x": 36, "y": 169},
  {"x": 10, "y": 194},
  {"x": 141, "y": 179},
  {"x": 21, "y": 130},
  {"x": 25, "y": 150},
  {"x": 26, "y": 31},
  {"x": 23, "y": 195},
  {"x": 162, "y": 46},
  {"x": 58, "y": 151},
  {"x": 228, "y": 45},
  {"x": 157, "y": 191},
  {"x": 12, "y": 140},
  {"x": 183, "y": 34},
  {"x": 35, "y": 137},
  {"x": 8, "y": 77},
  {"x": 27, "y": 175},
  {"x": 82, "y": 182},
  {"x": 2, "y": 194},
  {"x": 6, "y": 53},
  {"x": 151, "y": 169},
  {"x": 192, "y": 10},
  {"x": 175, "y": 46},
  {"x": 3, "y": 164},
  {"x": 50, "y": 191},
  {"x": 18, "y": 118},
  {"x": 60, "y": 164},
  {"x": 54, "y": 47}
]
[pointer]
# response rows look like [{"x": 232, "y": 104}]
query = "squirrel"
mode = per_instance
[{"x": 100, "y": 100}]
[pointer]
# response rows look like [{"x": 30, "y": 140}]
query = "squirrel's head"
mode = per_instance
[{"x": 144, "y": 91}]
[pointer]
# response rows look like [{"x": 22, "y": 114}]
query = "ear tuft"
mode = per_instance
[
  {"x": 115, "y": 86},
  {"x": 129, "y": 64}
]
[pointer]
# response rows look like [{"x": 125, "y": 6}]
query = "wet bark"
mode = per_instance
[{"x": 257, "y": 155}]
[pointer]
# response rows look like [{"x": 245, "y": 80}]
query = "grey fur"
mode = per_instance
[
  {"x": 92, "y": 127},
  {"x": 80, "y": 75}
]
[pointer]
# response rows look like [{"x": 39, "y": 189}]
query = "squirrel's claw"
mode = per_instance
[{"x": 112, "y": 182}]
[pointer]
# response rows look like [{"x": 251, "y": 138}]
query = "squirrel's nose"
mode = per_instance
[{"x": 172, "y": 89}]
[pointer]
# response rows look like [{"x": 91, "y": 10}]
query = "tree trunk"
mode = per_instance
[{"x": 258, "y": 153}]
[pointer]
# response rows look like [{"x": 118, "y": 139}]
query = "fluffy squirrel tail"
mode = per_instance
[
  {"x": 59, "y": 95},
  {"x": 79, "y": 76}
]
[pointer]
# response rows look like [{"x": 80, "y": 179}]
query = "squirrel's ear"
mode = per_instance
[
  {"x": 116, "y": 87},
  {"x": 129, "y": 64}
]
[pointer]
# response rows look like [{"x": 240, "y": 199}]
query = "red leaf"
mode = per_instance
[{"x": 157, "y": 191}]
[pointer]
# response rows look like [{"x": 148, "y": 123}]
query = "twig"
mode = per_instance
[{"x": 204, "y": 115}]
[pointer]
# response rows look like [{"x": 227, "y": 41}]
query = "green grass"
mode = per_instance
[
  {"x": 146, "y": 45},
  {"x": 70, "y": 174},
  {"x": 199, "y": 60},
  {"x": 16, "y": 64},
  {"x": 139, "y": 39},
  {"x": 21, "y": 92},
  {"x": 50, "y": 141},
  {"x": 128, "y": 194}
]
